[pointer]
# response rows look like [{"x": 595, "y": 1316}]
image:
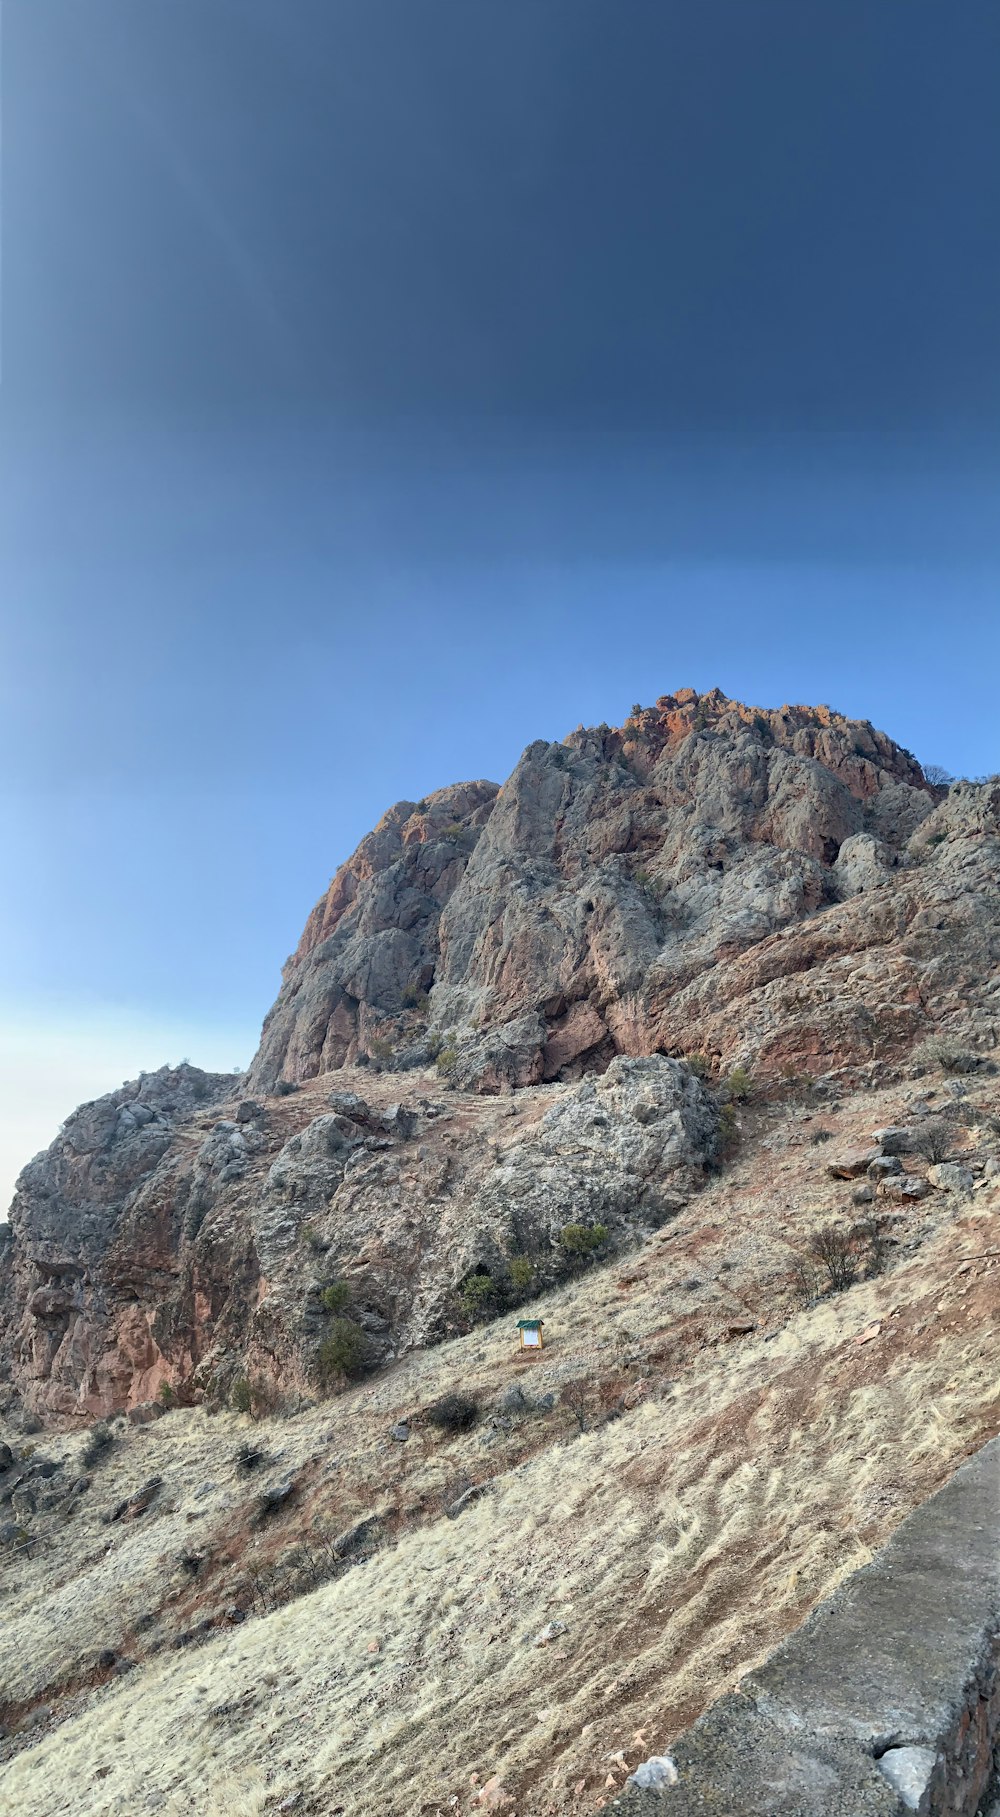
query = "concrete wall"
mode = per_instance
[{"x": 884, "y": 1703}]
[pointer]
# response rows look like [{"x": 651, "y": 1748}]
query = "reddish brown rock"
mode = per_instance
[{"x": 851, "y": 1163}]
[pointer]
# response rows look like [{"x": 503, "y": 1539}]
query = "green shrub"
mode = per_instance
[
  {"x": 453, "y": 832},
  {"x": 738, "y": 1084},
  {"x": 582, "y": 1239},
  {"x": 454, "y": 1412},
  {"x": 336, "y": 1297},
  {"x": 344, "y": 1350},
  {"x": 698, "y": 1064},
  {"x": 311, "y": 1237},
  {"x": 478, "y": 1294},
  {"x": 167, "y": 1395},
  {"x": 380, "y": 1050},
  {"x": 447, "y": 1060},
  {"x": 414, "y": 997},
  {"x": 522, "y": 1273},
  {"x": 241, "y": 1395},
  {"x": 285, "y": 1087},
  {"x": 729, "y": 1127}
]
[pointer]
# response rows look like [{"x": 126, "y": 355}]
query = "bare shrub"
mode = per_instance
[
  {"x": 99, "y": 1441},
  {"x": 454, "y": 1412},
  {"x": 871, "y": 1243},
  {"x": 836, "y": 1254},
  {"x": 831, "y": 1247},
  {"x": 939, "y": 1050},
  {"x": 576, "y": 1400},
  {"x": 936, "y": 1137}
]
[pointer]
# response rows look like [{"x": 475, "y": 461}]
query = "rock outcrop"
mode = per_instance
[
  {"x": 478, "y": 1042},
  {"x": 203, "y": 1249},
  {"x": 759, "y": 885}
]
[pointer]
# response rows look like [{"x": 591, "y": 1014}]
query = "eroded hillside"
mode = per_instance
[{"x": 379, "y": 1614}]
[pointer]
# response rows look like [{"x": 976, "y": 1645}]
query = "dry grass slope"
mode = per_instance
[{"x": 745, "y": 1473}]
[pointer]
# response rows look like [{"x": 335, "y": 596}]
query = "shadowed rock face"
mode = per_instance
[{"x": 779, "y": 889}]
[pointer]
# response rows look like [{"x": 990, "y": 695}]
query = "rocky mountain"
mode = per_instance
[
  {"x": 685, "y": 1042},
  {"x": 574, "y": 913},
  {"x": 480, "y": 1041}
]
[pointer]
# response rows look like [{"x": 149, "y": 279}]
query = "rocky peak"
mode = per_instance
[
  {"x": 538, "y": 929},
  {"x": 851, "y": 748}
]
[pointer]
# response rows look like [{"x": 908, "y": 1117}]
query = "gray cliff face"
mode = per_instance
[
  {"x": 371, "y": 944},
  {"x": 96, "y": 1218}
]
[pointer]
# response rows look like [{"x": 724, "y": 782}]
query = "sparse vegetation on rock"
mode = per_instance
[
  {"x": 454, "y": 1412},
  {"x": 99, "y": 1441},
  {"x": 343, "y": 1351},
  {"x": 951, "y": 1056},
  {"x": 583, "y": 1240},
  {"x": 241, "y": 1395}
]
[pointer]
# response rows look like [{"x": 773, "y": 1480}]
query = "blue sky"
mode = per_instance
[{"x": 387, "y": 384}]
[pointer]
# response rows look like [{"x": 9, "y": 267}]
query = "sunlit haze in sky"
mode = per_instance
[{"x": 388, "y": 383}]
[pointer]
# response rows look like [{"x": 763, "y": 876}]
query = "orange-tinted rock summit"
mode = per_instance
[{"x": 480, "y": 1042}]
